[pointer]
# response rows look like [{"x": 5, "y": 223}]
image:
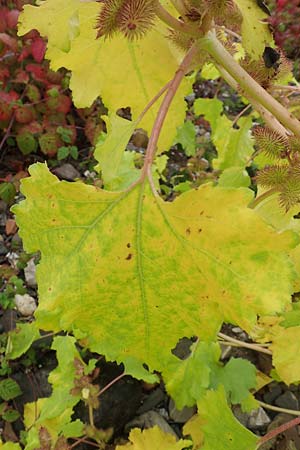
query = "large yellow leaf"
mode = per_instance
[
  {"x": 103, "y": 67},
  {"x": 153, "y": 439},
  {"x": 132, "y": 271}
]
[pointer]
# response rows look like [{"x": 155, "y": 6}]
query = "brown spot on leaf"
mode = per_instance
[
  {"x": 188, "y": 231},
  {"x": 129, "y": 256},
  {"x": 128, "y": 245},
  {"x": 199, "y": 230}
]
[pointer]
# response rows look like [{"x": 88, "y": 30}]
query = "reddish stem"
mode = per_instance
[
  {"x": 164, "y": 108},
  {"x": 111, "y": 383},
  {"x": 286, "y": 426}
]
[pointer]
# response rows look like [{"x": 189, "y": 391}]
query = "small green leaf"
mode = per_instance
[
  {"x": 238, "y": 376},
  {"x": 73, "y": 429},
  {"x": 27, "y": 143},
  {"x": 7, "y": 192},
  {"x": 65, "y": 134},
  {"x": 10, "y": 415},
  {"x": 62, "y": 153},
  {"x": 186, "y": 136},
  {"x": 53, "y": 92},
  {"x": 234, "y": 177},
  {"x": 73, "y": 151},
  {"x": 9, "y": 389}
]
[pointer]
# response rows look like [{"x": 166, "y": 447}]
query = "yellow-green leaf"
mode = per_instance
[
  {"x": 153, "y": 439},
  {"x": 285, "y": 348},
  {"x": 221, "y": 429},
  {"x": 104, "y": 66},
  {"x": 112, "y": 156},
  {"x": 132, "y": 271},
  {"x": 255, "y": 30},
  {"x": 187, "y": 380},
  {"x": 235, "y": 146}
]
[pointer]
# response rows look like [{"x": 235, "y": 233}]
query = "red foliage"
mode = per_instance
[{"x": 35, "y": 103}]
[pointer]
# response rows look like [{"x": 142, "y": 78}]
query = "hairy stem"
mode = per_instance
[
  {"x": 249, "y": 345},
  {"x": 163, "y": 110},
  {"x": 250, "y": 87},
  {"x": 268, "y": 117},
  {"x": 262, "y": 197},
  {"x": 179, "y": 5},
  {"x": 174, "y": 23}
]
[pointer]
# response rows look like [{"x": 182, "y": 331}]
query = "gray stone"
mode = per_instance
[
  {"x": 3, "y": 219},
  {"x": 12, "y": 258},
  {"x": 258, "y": 419},
  {"x": 3, "y": 249},
  {"x": 153, "y": 399},
  {"x": 25, "y": 304},
  {"x": 3, "y": 206},
  {"x": 66, "y": 172},
  {"x": 29, "y": 273},
  {"x": 183, "y": 415},
  {"x": 274, "y": 393},
  {"x": 241, "y": 416},
  {"x": 149, "y": 420},
  {"x": 287, "y": 400}
]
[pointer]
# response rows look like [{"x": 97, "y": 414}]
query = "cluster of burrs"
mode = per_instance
[{"x": 284, "y": 175}]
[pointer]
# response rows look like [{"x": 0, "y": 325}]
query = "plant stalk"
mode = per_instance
[
  {"x": 251, "y": 346},
  {"x": 163, "y": 110},
  {"x": 179, "y": 6},
  {"x": 268, "y": 117},
  {"x": 273, "y": 433},
  {"x": 256, "y": 201},
  {"x": 174, "y": 23},
  {"x": 250, "y": 87}
]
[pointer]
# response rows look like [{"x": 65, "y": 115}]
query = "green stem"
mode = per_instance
[
  {"x": 262, "y": 197},
  {"x": 174, "y": 23},
  {"x": 250, "y": 87},
  {"x": 293, "y": 412},
  {"x": 267, "y": 116}
]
